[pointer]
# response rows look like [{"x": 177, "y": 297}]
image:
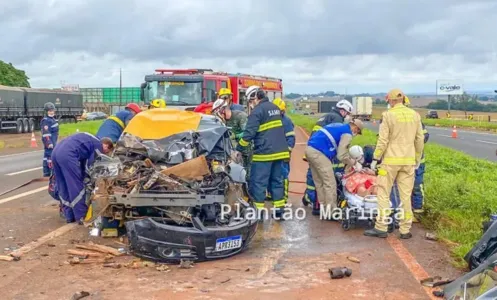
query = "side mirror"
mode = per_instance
[{"x": 142, "y": 91}]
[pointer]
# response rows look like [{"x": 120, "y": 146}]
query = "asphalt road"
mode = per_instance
[
  {"x": 478, "y": 144},
  {"x": 288, "y": 259}
]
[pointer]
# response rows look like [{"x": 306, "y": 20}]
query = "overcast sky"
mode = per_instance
[{"x": 313, "y": 45}]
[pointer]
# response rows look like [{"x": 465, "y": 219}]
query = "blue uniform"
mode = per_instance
[
  {"x": 235, "y": 106},
  {"x": 265, "y": 128},
  {"x": 290, "y": 140},
  {"x": 333, "y": 117},
  {"x": 113, "y": 127},
  {"x": 71, "y": 159},
  {"x": 49, "y": 136}
]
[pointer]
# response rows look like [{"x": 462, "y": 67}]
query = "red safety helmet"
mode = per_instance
[{"x": 134, "y": 107}]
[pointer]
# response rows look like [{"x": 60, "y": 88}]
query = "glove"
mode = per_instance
[
  {"x": 373, "y": 165},
  {"x": 50, "y": 146},
  {"x": 358, "y": 167},
  {"x": 50, "y": 165}
]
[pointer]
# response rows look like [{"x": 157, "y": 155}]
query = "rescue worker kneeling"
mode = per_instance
[
  {"x": 265, "y": 129},
  {"x": 71, "y": 158},
  {"x": 114, "y": 126},
  {"x": 399, "y": 147},
  {"x": 325, "y": 144}
]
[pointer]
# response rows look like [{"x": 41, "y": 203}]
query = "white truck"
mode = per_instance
[{"x": 363, "y": 108}]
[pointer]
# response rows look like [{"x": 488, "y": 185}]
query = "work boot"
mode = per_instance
[
  {"x": 315, "y": 209},
  {"x": 305, "y": 201},
  {"x": 406, "y": 236},
  {"x": 278, "y": 214},
  {"x": 376, "y": 233}
]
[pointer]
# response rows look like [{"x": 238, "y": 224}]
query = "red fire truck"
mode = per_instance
[{"x": 187, "y": 88}]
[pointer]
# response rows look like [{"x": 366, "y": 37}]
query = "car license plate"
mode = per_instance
[{"x": 229, "y": 243}]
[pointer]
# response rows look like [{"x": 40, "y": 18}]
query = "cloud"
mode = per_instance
[{"x": 313, "y": 45}]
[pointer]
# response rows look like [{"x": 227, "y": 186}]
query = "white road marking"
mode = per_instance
[
  {"x": 24, "y": 171},
  {"x": 5, "y": 200},
  {"x": 445, "y": 135},
  {"x": 23, "y": 153},
  {"x": 487, "y": 142},
  {"x": 35, "y": 244}
]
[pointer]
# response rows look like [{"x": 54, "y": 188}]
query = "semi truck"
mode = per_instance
[
  {"x": 363, "y": 108},
  {"x": 21, "y": 109},
  {"x": 187, "y": 88}
]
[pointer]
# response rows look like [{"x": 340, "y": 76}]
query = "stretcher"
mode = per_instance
[{"x": 356, "y": 209}]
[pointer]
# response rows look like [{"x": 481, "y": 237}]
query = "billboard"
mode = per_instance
[{"x": 449, "y": 87}]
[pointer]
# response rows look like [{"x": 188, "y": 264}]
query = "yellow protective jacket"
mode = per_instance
[{"x": 400, "y": 138}]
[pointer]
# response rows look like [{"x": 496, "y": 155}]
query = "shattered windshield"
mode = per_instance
[{"x": 176, "y": 92}]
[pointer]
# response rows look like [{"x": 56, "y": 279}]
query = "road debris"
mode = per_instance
[
  {"x": 84, "y": 253},
  {"x": 162, "y": 268},
  {"x": 9, "y": 258},
  {"x": 185, "y": 264},
  {"x": 434, "y": 281},
  {"x": 80, "y": 295},
  {"x": 112, "y": 265},
  {"x": 337, "y": 273},
  {"x": 100, "y": 248},
  {"x": 431, "y": 236},
  {"x": 353, "y": 259}
]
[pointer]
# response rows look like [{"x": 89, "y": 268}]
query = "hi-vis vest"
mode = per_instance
[{"x": 326, "y": 139}]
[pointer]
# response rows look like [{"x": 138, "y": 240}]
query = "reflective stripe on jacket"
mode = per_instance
[
  {"x": 265, "y": 128},
  {"x": 289, "y": 132},
  {"x": 400, "y": 138},
  {"x": 114, "y": 126},
  {"x": 326, "y": 140}
]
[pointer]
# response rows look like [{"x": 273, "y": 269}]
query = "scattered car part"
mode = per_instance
[
  {"x": 337, "y": 273},
  {"x": 434, "y": 281},
  {"x": 486, "y": 247}
]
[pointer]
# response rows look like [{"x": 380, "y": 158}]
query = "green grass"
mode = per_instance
[
  {"x": 85, "y": 126},
  {"x": 480, "y": 125},
  {"x": 459, "y": 192}
]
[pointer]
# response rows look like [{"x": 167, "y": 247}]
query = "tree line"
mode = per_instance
[{"x": 10, "y": 76}]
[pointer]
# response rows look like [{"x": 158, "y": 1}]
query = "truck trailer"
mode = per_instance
[
  {"x": 363, "y": 108},
  {"x": 21, "y": 109}
]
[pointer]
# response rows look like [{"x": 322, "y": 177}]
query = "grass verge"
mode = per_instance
[
  {"x": 85, "y": 126},
  {"x": 459, "y": 192},
  {"x": 479, "y": 125}
]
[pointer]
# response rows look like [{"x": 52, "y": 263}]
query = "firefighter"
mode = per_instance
[
  {"x": 399, "y": 147},
  {"x": 236, "y": 120},
  {"x": 114, "y": 126},
  {"x": 49, "y": 136},
  {"x": 290, "y": 140},
  {"x": 227, "y": 95},
  {"x": 265, "y": 129},
  {"x": 418, "y": 190},
  {"x": 71, "y": 159},
  {"x": 157, "y": 103},
  {"x": 328, "y": 142},
  {"x": 339, "y": 113}
]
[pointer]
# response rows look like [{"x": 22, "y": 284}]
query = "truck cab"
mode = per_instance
[{"x": 183, "y": 89}]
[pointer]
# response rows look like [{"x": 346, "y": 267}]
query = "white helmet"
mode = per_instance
[
  {"x": 251, "y": 92},
  {"x": 356, "y": 152},
  {"x": 218, "y": 105},
  {"x": 345, "y": 105}
]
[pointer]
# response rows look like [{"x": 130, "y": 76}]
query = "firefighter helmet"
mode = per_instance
[
  {"x": 280, "y": 103},
  {"x": 158, "y": 103},
  {"x": 345, "y": 105},
  {"x": 224, "y": 92}
]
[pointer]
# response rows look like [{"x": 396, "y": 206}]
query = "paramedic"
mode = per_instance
[
  {"x": 290, "y": 140},
  {"x": 114, "y": 126},
  {"x": 338, "y": 114},
  {"x": 326, "y": 143},
  {"x": 157, "y": 103},
  {"x": 71, "y": 159},
  {"x": 49, "y": 136},
  {"x": 399, "y": 147},
  {"x": 227, "y": 95},
  {"x": 265, "y": 128},
  {"x": 236, "y": 120}
]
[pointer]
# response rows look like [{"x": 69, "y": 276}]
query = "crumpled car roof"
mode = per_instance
[{"x": 159, "y": 123}]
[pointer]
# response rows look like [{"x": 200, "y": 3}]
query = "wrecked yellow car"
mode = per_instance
[{"x": 177, "y": 186}]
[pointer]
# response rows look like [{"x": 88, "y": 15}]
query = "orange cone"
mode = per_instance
[
  {"x": 454, "y": 132},
  {"x": 33, "y": 141}
]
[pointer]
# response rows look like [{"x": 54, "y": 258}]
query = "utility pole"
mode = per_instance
[{"x": 120, "y": 88}]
